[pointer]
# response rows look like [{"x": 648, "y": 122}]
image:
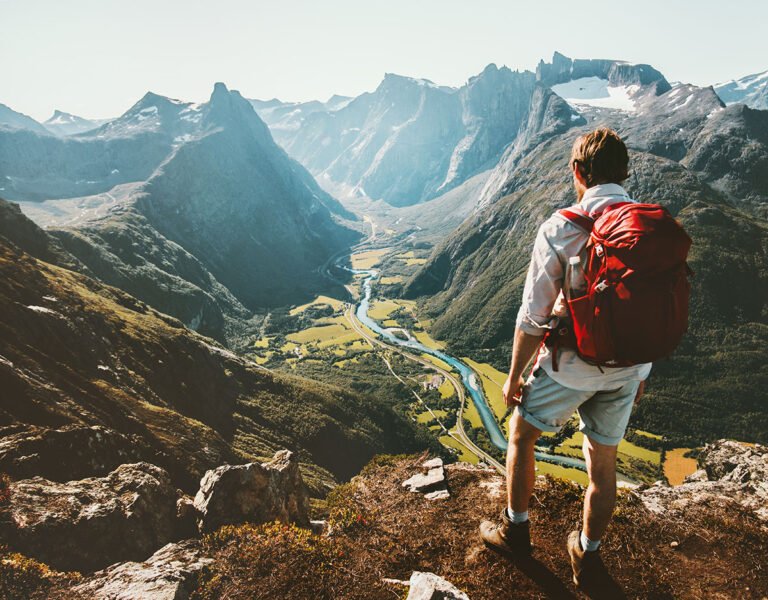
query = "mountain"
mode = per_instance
[
  {"x": 751, "y": 90},
  {"x": 93, "y": 377},
  {"x": 288, "y": 116},
  {"x": 191, "y": 208},
  {"x": 706, "y": 163},
  {"x": 64, "y": 123},
  {"x": 11, "y": 119},
  {"x": 410, "y": 140},
  {"x": 126, "y": 150}
]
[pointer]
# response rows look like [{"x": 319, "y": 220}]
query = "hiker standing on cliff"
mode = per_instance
[{"x": 561, "y": 282}]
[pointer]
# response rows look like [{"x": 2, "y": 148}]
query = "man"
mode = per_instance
[{"x": 603, "y": 396}]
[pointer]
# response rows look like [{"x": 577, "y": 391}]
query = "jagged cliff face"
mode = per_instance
[
  {"x": 93, "y": 377},
  {"x": 563, "y": 69},
  {"x": 409, "y": 140},
  {"x": 707, "y": 164},
  {"x": 210, "y": 219}
]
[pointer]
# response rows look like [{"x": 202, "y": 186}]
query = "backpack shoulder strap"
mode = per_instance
[{"x": 578, "y": 217}]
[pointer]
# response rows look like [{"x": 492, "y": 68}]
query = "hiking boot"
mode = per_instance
[
  {"x": 510, "y": 539},
  {"x": 588, "y": 567}
]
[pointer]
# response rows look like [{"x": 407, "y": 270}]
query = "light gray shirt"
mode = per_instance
[{"x": 556, "y": 241}]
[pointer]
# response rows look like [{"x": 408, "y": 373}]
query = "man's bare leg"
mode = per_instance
[
  {"x": 521, "y": 464},
  {"x": 600, "y": 498},
  {"x": 511, "y": 534}
]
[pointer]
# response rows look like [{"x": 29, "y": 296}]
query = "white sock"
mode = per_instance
[
  {"x": 588, "y": 545},
  {"x": 517, "y": 517}
]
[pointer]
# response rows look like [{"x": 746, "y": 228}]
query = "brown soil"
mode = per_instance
[{"x": 387, "y": 532}]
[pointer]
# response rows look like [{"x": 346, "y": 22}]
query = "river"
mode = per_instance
[{"x": 469, "y": 378}]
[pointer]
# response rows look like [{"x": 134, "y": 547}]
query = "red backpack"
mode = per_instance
[{"x": 635, "y": 309}]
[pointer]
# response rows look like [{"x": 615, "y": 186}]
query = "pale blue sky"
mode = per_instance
[{"x": 97, "y": 57}]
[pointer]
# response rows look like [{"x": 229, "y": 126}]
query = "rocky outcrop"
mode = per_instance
[
  {"x": 169, "y": 574},
  {"x": 91, "y": 523},
  {"x": 430, "y": 481},
  {"x": 67, "y": 453},
  {"x": 730, "y": 472},
  {"x": 428, "y": 586},
  {"x": 254, "y": 493},
  {"x": 617, "y": 72}
]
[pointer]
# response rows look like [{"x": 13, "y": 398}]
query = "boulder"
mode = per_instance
[
  {"x": 431, "y": 480},
  {"x": 428, "y": 586},
  {"x": 254, "y": 492},
  {"x": 88, "y": 524},
  {"x": 67, "y": 453},
  {"x": 169, "y": 574},
  {"x": 730, "y": 472}
]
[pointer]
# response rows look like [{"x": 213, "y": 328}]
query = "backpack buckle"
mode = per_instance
[
  {"x": 599, "y": 250},
  {"x": 602, "y": 286}
]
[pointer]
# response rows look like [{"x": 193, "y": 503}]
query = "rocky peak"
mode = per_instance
[
  {"x": 563, "y": 69},
  {"x": 393, "y": 82},
  {"x": 228, "y": 109},
  {"x": 643, "y": 75},
  {"x": 16, "y": 120},
  {"x": 60, "y": 115}
]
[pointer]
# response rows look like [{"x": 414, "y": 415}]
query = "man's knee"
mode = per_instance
[
  {"x": 601, "y": 462},
  {"x": 521, "y": 432}
]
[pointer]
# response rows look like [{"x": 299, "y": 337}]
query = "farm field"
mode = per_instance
[
  {"x": 677, "y": 466},
  {"x": 369, "y": 258},
  {"x": 427, "y": 340},
  {"x": 334, "y": 303}
]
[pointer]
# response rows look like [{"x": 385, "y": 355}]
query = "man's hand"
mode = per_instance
[
  {"x": 512, "y": 389},
  {"x": 640, "y": 390}
]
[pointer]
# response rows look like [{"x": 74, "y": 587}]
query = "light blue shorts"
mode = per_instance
[{"x": 604, "y": 416}]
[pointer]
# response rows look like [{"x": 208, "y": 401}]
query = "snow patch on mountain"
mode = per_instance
[
  {"x": 597, "y": 92},
  {"x": 751, "y": 90}
]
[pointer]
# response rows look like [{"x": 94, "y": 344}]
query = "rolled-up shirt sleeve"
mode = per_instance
[{"x": 542, "y": 287}]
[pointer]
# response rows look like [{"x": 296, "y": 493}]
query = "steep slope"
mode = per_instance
[
  {"x": 250, "y": 214},
  {"x": 10, "y": 119},
  {"x": 472, "y": 283},
  {"x": 410, "y": 140},
  {"x": 76, "y": 354},
  {"x": 64, "y": 123},
  {"x": 751, "y": 90},
  {"x": 215, "y": 220}
]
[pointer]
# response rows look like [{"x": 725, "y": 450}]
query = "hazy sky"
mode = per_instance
[{"x": 97, "y": 57}]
